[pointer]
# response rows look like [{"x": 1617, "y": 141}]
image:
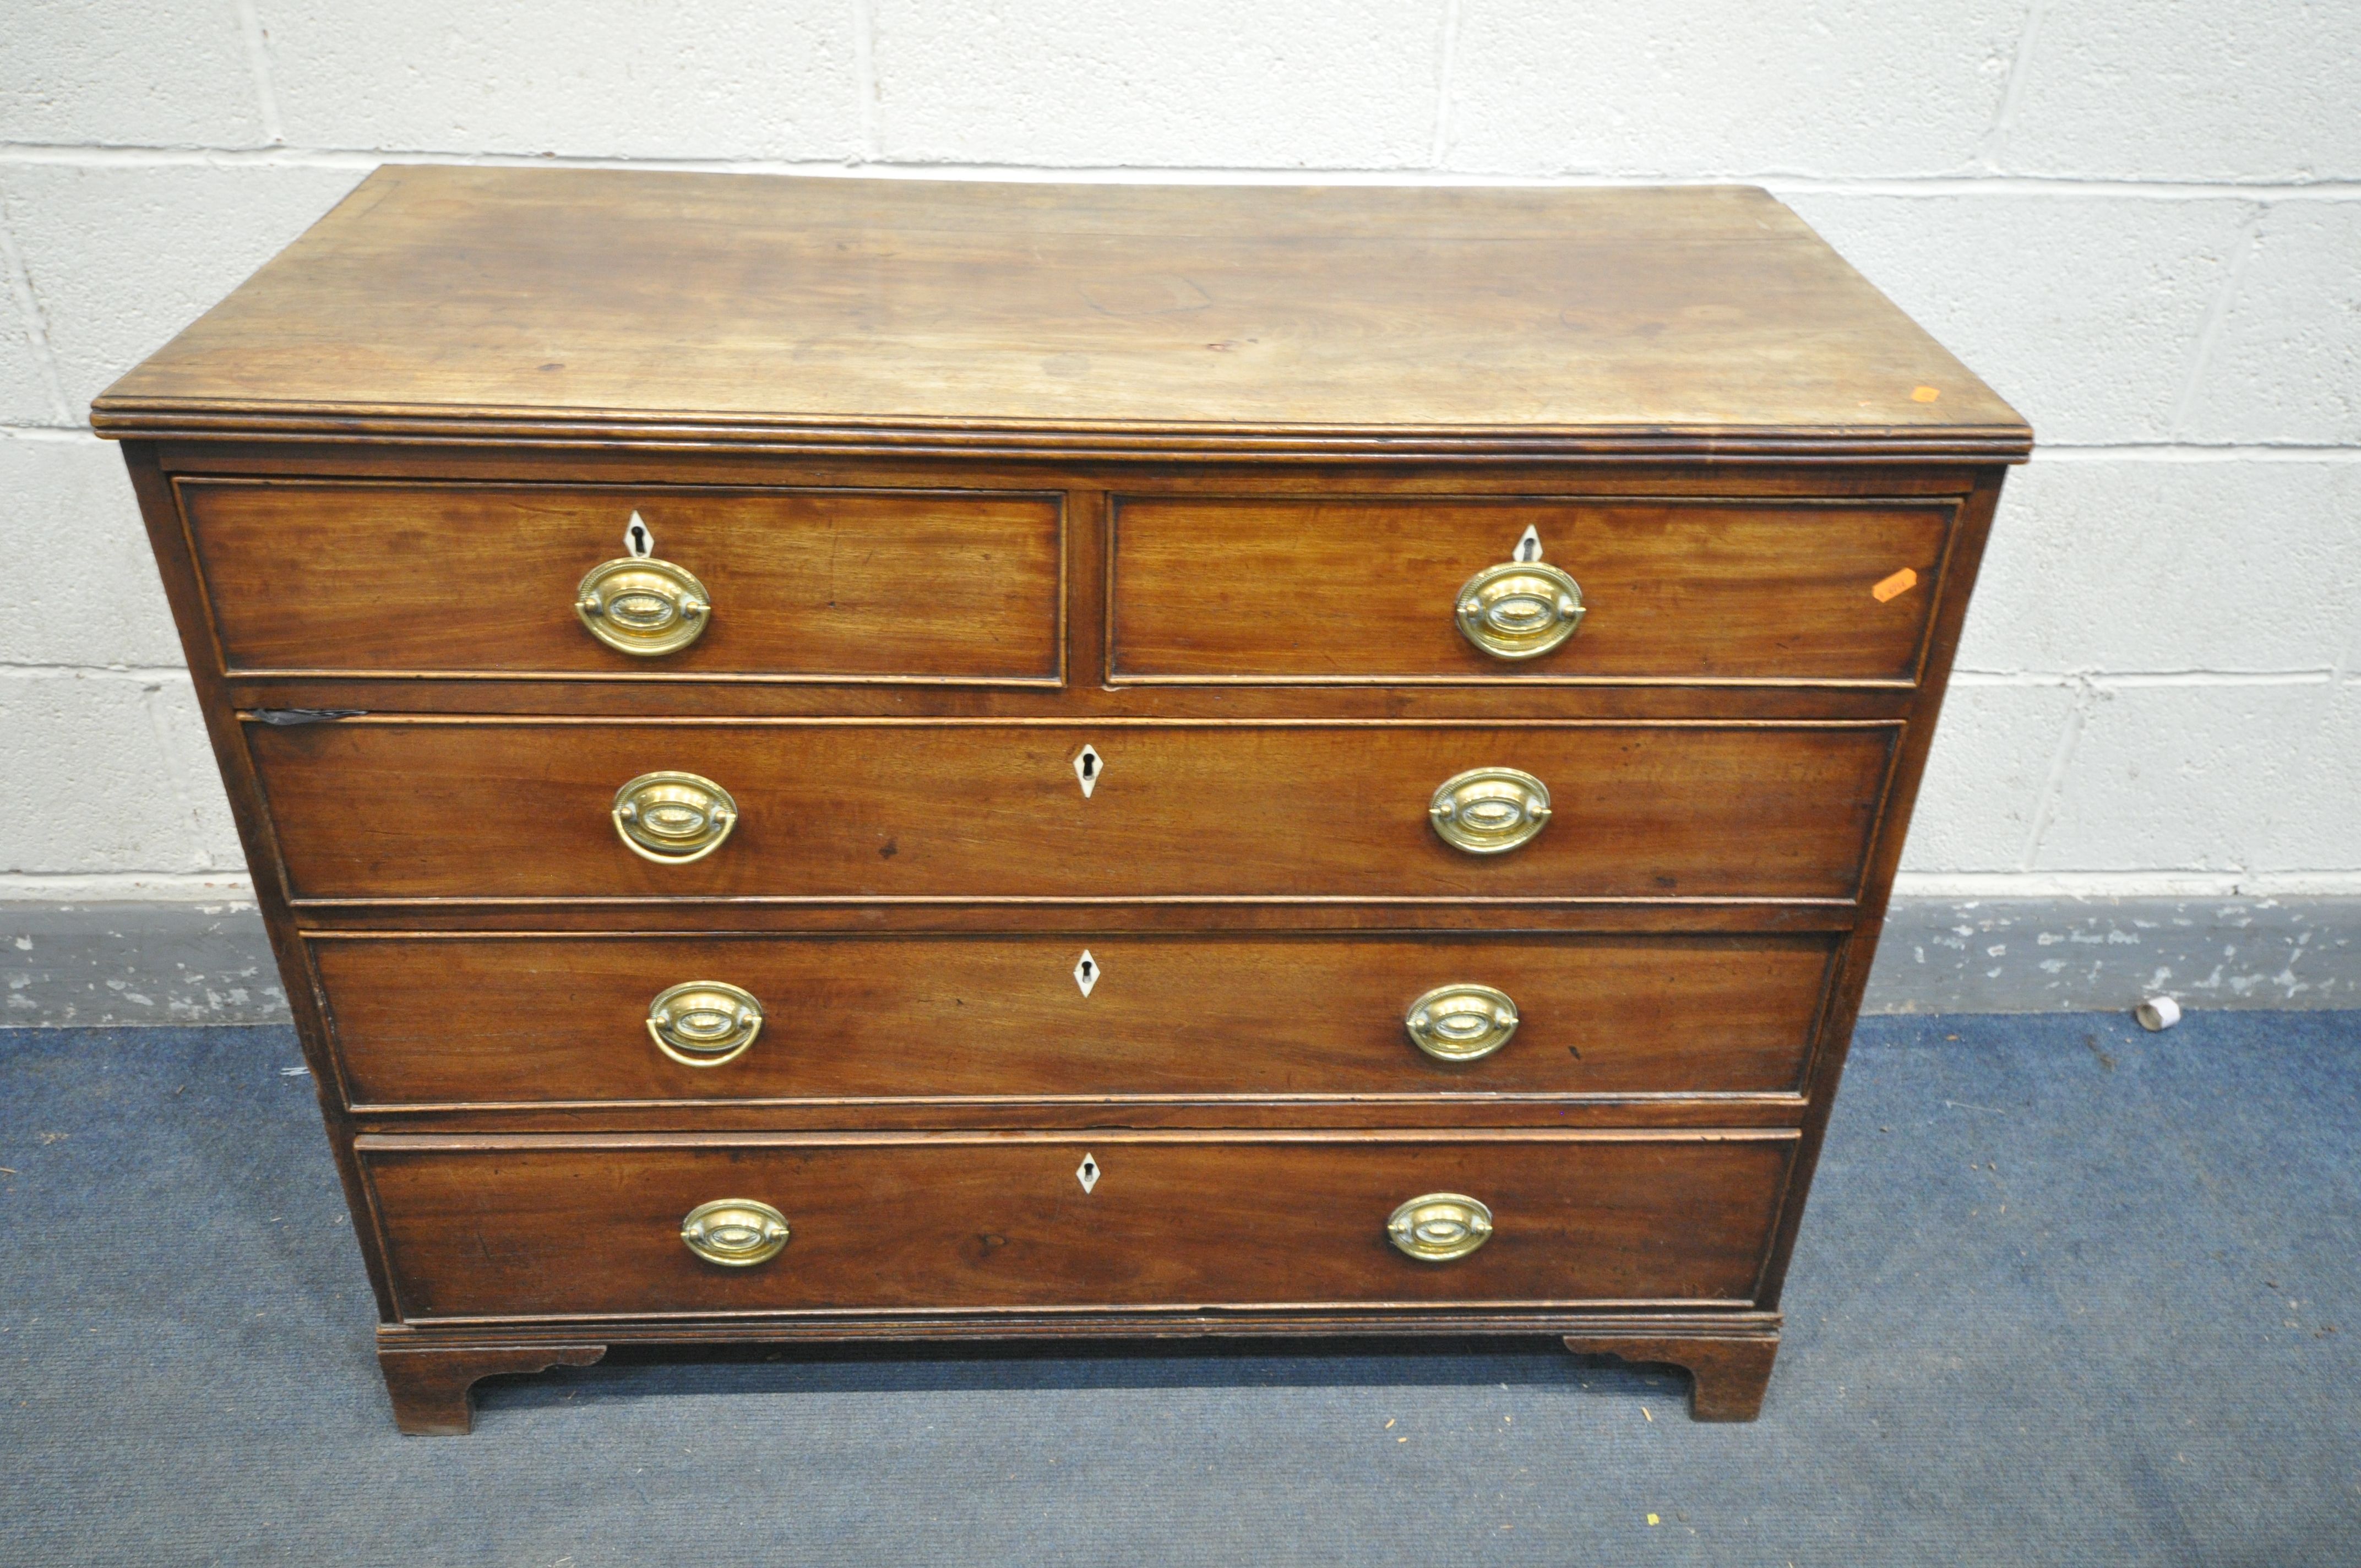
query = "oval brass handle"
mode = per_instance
[
  {"x": 674, "y": 819},
  {"x": 736, "y": 1232},
  {"x": 644, "y": 607},
  {"x": 704, "y": 1023},
  {"x": 1440, "y": 1227},
  {"x": 1518, "y": 610},
  {"x": 1487, "y": 810},
  {"x": 1461, "y": 1022}
]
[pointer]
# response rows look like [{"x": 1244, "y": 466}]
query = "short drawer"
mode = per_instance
[
  {"x": 523, "y": 1227},
  {"x": 1328, "y": 591},
  {"x": 317, "y": 577},
  {"x": 425, "y": 1020},
  {"x": 516, "y": 808}
]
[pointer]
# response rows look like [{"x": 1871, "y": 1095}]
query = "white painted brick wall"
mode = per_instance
[
  {"x": 121, "y": 258},
  {"x": 129, "y": 73},
  {"x": 2156, "y": 764},
  {"x": 2189, "y": 90},
  {"x": 2084, "y": 311},
  {"x": 64, "y": 503},
  {"x": 2134, "y": 563},
  {"x": 1220, "y": 83},
  {"x": 2285, "y": 363},
  {"x": 659, "y": 78},
  {"x": 1543, "y": 87},
  {"x": 2142, "y": 223}
]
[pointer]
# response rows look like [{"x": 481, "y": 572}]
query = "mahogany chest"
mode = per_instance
[{"x": 836, "y": 759}]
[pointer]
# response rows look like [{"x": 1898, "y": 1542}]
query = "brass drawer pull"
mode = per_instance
[
  {"x": 1518, "y": 610},
  {"x": 1439, "y": 1227},
  {"x": 674, "y": 819},
  {"x": 1487, "y": 810},
  {"x": 704, "y": 1023},
  {"x": 644, "y": 607},
  {"x": 736, "y": 1232},
  {"x": 1461, "y": 1022}
]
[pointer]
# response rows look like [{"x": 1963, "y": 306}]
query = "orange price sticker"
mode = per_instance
[{"x": 1895, "y": 587}]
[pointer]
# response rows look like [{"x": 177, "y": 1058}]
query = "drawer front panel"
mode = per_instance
[
  {"x": 422, "y": 1020},
  {"x": 454, "y": 580},
  {"x": 954, "y": 1222},
  {"x": 522, "y": 809},
  {"x": 1327, "y": 591}
]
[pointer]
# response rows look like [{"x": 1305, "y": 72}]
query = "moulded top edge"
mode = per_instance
[
  {"x": 1672, "y": 318},
  {"x": 118, "y": 418}
]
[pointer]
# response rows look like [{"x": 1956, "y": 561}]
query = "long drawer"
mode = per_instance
[
  {"x": 532, "y": 1226},
  {"x": 357, "y": 579},
  {"x": 1354, "y": 589},
  {"x": 501, "y": 808},
  {"x": 488, "y": 1020}
]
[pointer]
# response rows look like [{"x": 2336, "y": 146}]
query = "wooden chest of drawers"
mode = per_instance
[{"x": 833, "y": 759}]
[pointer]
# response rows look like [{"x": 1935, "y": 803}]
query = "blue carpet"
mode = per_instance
[{"x": 2067, "y": 1294}]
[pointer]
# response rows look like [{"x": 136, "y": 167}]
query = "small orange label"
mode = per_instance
[
  {"x": 1895, "y": 587},
  {"x": 1924, "y": 394}
]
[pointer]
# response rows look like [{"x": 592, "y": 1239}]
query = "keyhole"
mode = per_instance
[
  {"x": 1086, "y": 973},
  {"x": 1089, "y": 969},
  {"x": 1087, "y": 768},
  {"x": 637, "y": 539},
  {"x": 1528, "y": 547},
  {"x": 1090, "y": 765}
]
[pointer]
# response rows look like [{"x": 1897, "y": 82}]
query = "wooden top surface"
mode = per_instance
[{"x": 510, "y": 301}]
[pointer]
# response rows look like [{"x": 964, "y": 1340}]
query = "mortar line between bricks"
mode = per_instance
[
  {"x": 28, "y": 312},
  {"x": 2217, "y": 316},
  {"x": 234, "y": 888},
  {"x": 11, "y": 670},
  {"x": 184, "y": 794},
  {"x": 2144, "y": 679},
  {"x": 2127, "y": 885},
  {"x": 1444, "y": 66},
  {"x": 2020, "y": 63},
  {"x": 1778, "y": 181},
  {"x": 2194, "y": 452},
  {"x": 2053, "y": 783},
  {"x": 864, "y": 74},
  {"x": 258, "y": 61}
]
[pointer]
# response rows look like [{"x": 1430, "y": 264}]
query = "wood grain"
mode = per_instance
[
  {"x": 335, "y": 579},
  {"x": 415, "y": 808},
  {"x": 755, "y": 697},
  {"x": 420, "y": 1020},
  {"x": 1350, "y": 589},
  {"x": 1231, "y": 451},
  {"x": 780, "y": 463},
  {"x": 538, "y": 1227},
  {"x": 517, "y": 299}
]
